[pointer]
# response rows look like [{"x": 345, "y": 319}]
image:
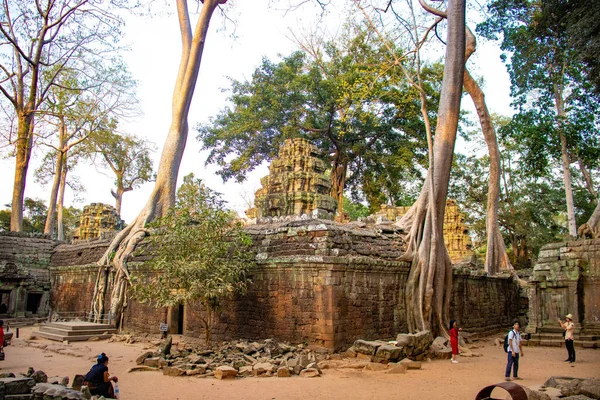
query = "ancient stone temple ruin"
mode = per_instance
[
  {"x": 566, "y": 280},
  {"x": 456, "y": 235},
  {"x": 296, "y": 185},
  {"x": 96, "y": 220},
  {"x": 24, "y": 276}
]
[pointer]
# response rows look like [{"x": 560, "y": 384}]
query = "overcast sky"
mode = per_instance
[{"x": 153, "y": 61}]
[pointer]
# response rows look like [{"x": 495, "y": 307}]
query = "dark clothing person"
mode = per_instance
[
  {"x": 515, "y": 351},
  {"x": 98, "y": 380},
  {"x": 513, "y": 362}
]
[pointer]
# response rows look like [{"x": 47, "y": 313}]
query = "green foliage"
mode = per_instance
[
  {"x": 34, "y": 215},
  {"x": 355, "y": 210},
  {"x": 199, "y": 251},
  {"x": 544, "y": 70},
  {"x": 531, "y": 207},
  {"x": 348, "y": 98},
  {"x": 4, "y": 220}
]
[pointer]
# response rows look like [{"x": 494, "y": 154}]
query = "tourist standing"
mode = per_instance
[
  {"x": 454, "y": 329},
  {"x": 514, "y": 352},
  {"x": 2, "y": 339},
  {"x": 569, "y": 328}
]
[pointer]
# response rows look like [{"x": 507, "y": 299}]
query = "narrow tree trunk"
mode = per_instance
[
  {"x": 23, "y": 154},
  {"x": 338, "y": 178},
  {"x": 496, "y": 257},
  {"x": 588, "y": 178},
  {"x": 49, "y": 226},
  {"x": 118, "y": 195},
  {"x": 566, "y": 162},
  {"x": 163, "y": 195},
  {"x": 429, "y": 284},
  {"x": 60, "y": 235}
]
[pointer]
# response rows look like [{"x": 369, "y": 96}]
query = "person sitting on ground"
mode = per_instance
[{"x": 98, "y": 379}]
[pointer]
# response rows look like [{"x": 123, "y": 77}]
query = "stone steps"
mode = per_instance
[{"x": 75, "y": 331}]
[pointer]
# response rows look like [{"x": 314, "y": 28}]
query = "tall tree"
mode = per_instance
[
  {"x": 163, "y": 195},
  {"x": 429, "y": 282},
  {"x": 40, "y": 36},
  {"x": 128, "y": 157},
  {"x": 82, "y": 103},
  {"x": 347, "y": 97},
  {"x": 561, "y": 119}
]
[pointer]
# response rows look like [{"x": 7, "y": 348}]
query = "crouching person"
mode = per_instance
[{"x": 98, "y": 380}]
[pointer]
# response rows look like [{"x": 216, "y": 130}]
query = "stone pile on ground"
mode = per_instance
[
  {"x": 240, "y": 359},
  {"x": 564, "y": 387},
  {"x": 36, "y": 385},
  {"x": 417, "y": 347}
]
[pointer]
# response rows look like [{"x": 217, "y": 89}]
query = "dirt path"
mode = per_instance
[{"x": 438, "y": 379}]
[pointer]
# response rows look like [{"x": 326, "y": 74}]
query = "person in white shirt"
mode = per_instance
[
  {"x": 514, "y": 352},
  {"x": 569, "y": 328}
]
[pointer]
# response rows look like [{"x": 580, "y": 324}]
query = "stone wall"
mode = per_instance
[
  {"x": 24, "y": 275},
  {"x": 316, "y": 281},
  {"x": 566, "y": 279},
  {"x": 27, "y": 252}
]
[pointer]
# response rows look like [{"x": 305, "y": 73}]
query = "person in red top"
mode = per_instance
[
  {"x": 2, "y": 336},
  {"x": 454, "y": 329}
]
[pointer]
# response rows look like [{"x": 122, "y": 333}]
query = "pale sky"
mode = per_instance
[{"x": 153, "y": 61}]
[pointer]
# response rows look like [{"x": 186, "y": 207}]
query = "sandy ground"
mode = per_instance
[{"x": 438, "y": 379}]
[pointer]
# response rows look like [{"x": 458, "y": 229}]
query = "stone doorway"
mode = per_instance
[
  {"x": 34, "y": 301},
  {"x": 176, "y": 317},
  {"x": 4, "y": 301}
]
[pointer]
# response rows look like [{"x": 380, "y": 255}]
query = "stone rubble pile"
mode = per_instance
[
  {"x": 412, "y": 347},
  {"x": 36, "y": 385},
  {"x": 564, "y": 387},
  {"x": 241, "y": 359}
]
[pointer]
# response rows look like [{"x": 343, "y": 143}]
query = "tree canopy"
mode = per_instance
[{"x": 347, "y": 97}]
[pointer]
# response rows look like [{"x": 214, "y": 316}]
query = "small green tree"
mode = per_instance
[{"x": 199, "y": 251}]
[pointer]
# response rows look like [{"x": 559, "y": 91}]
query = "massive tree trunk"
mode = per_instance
[
  {"x": 163, "y": 195},
  {"x": 429, "y": 283},
  {"x": 22, "y": 156},
  {"x": 566, "y": 162},
  {"x": 496, "y": 257},
  {"x": 591, "y": 228}
]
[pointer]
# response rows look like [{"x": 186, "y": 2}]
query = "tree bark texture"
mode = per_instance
[
  {"x": 496, "y": 257},
  {"x": 60, "y": 234},
  {"x": 429, "y": 284},
  {"x": 566, "y": 162},
  {"x": 23, "y": 154},
  {"x": 163, "y": 195}
]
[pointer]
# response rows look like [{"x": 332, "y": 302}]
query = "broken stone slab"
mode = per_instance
[
  {"x": 283, "y": 372},
  {"x": 17, "y": 385},
  {"x": 350, "y": 353},
  {"x": 225, "y": 372},
  {"x": 309, "y": 373},
  {"x": 195, "y": 359},
  {"x": 396, "y": 369},
  {"x": 367, "y": 347},
  {"x": 590, "y": 388},
  {"x": 141, "y": 359},
  {"x": 261, "y": 369},
  {"x": 410, "y": 364},
  {"x": 245, "y": 371},
  {"x": 173, "y": 371},
  {"x": 372, "y": 366},
  {"x": 59, "y": 380},
  {"x": 388, "y": 352},
  {"x": 78, "y": 381},
  {"x": 39, "y": 376},
  {"x": 151, "y": 362}
]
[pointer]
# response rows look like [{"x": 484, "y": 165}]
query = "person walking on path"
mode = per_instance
[
  {"x": 569, "y": 328},
  {"x": 514, "y": 352},
  {"x": 454, "y": 340}
]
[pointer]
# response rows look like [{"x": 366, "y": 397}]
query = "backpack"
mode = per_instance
[{"x": 506, "y": 341}]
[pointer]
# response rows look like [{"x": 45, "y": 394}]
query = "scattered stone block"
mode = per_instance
[
  {"x": 410, "y": 364},
  {"x": 151, "y": 362},
  {"x": 396, "y": 369},
  {"x": 17, "y": 385},
  {"x": 388, "y": 352},
  {"x": 367, "y": 347},
  {"x": 376, "y": 367},
  {"x": 140, "y": 360},
  {"x": 283, "y": 372},
  {"x": 225, "y": 372},
  {"x": 173, "y": 371},
  {"x": 309, "y": 373}
]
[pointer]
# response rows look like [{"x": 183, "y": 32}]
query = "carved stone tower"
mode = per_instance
[
  {"x": 97, "y": 219},
  {"x": 296, "y": 185}
]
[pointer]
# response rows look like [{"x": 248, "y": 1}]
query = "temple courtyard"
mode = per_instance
[{"x": 438, "y": 379}]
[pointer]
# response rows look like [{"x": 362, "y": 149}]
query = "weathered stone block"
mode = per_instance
[{"x": 225, "y": 372}]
